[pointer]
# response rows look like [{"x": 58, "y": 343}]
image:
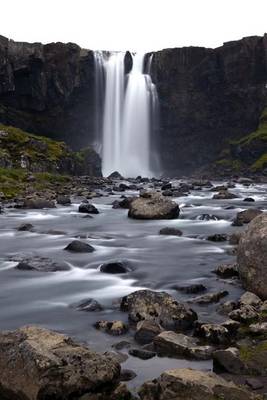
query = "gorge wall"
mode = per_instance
[{"x": 207, "y": 96}]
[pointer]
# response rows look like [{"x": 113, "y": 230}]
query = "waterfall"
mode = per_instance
[{"x": 129, "y": 118}]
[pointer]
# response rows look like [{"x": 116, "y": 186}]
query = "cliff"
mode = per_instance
[{"x": 207, "y": 96}]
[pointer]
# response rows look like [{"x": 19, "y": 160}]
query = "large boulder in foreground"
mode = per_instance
[
  {"x": 153, "y": 207},
  {"x": 252, "y": 257},
  {"x": 189, "y": 384},
  {"x": 38, "y": 364},
  {"x": 159, "y": 307}
]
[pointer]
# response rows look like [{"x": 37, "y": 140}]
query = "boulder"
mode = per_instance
[
  {"x": 146, "y": 331},
  {"x": 259, "y": 328},
  {"x": 246, "y": 216},
  {"x": 25, "y": 227},
  {"x": 88, "y": 208},
  {"x": 234, "y": 238},
  {"x": 252, "y": 257},
  {"x": 170, "y": 231},
  {"x": 217, "y": 237},
  {"x": 38, "y": 364},
  {"x": 226, "y": 270},
  {"x": 207, "y": 217},
  {"x": 115, "y": 328},
  {"x": 77, "y": 246},
  {"x": 190, "y": 289},
  {"x": 42, "y": 264},
  {"x": 63, "y": 200},
  {"x": 141, "y": 353},
  {"x": 159, "y": 307},
  {"x": 250, "y": 299},
  {"x": 245, "y": 314},
  {"x": 212, "y": 333},
  {"x": 38, "y": 203},
  {"x": 224, "y": 195},
  {"x": 189, "y": 384},
  {"x": 210, "y": 297},
  {"x": 115, "y": 175},
  {"x": 115, "y": 267},
  {"x": 89, "y": 305},
  {"x": 169, "y": 343},
  {"x": 155, "y": 207}
]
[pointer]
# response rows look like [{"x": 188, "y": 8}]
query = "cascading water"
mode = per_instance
[{"x": 128, "y": 116}]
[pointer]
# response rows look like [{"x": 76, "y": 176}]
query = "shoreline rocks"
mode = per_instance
[{"x": 153, "y": 207}]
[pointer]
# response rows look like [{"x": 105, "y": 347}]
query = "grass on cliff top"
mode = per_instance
[
  {"x": 32, "y": 145},
  {"x": 259, "y": 134}
]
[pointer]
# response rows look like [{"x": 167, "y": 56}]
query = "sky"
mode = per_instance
[{"x": 135, "y": 25}]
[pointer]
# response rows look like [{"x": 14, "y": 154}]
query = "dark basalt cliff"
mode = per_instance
[{"x": 207, "y": 96}]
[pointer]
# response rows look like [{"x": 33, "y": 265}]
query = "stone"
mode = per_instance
[
  {"x": 229, "y": 360},
  {"x": 226, "y": 307},
  {"x": 155, "y": 207},
  {"x": 210, "y": 297},
  {"x": 212, "y": 333},
  {"x": 42, "y": 264},
  {"x": 246, "y": 216},
  {"x": 252, "y": 257},
  {"x": 88, "y": 208},
  {"x": 218, "y": 237},
  {"x": 207, "y": 217},
  {"x": 190, "y": 289},
  {"x": 115, "y": 175},
  {"x": 254, "y": 384},
  {"x": 250, "y": 299},
  {"x": 249, "y": 199},
  {"x": 169, "y": 343},
  {"x": 88, "y": 305},
  {"x": 190, "y": 384},
  {"x": 245, "y": 314},
  {"x": 25, "y": 227},
  {"x": 115, "y": 328},
  {"x": 40, "y": 364},
  {"x": 76, "y": 246},
  {"x": 159, "y": 307},
  {"x": 143, "y": 354},
  {"x": 124, "y": 203},
  {"x": 235, "y": 238},
  {"x": 259, "y": 328},
  {"x": 170, "y": 231},
  {"x": 115, "y": 267},
  {"x": 63, "y": 200},
  {"x": 127, "y": 375},
  {"x": 226, "y": 270},
  {"x": 38, "y": 203},
  {"x": 146, "y": 331},
  {"x": 224, "y": 195},
  {"x": 123, "y": 344}
]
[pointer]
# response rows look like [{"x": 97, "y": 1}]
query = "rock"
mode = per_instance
[
  {"x": 42, "y": 264},
  {"x": 25, "y": 227},
  {"x": 89, "y": 305},
  {"x": 116, "y": 356},
  {"x": 123, "y": 344},
  {"x": 232, "y": 326},
  {"x": 226, "y": 308},
  {"x": 252, "y": 257},
  {"x": 88, "y": 208},
  {"x": 235, "y": 238},
  {"x": 207, "y": 217},
  {"x": 63, "y": 200},
  {"x": 115, "y": 175},
  {"x": 124, "y": 203},
  {"x": 245, "y": 314},
  {"x": 115, "y": 267},
  {"x": 229, "y": 360},
  {"x": 224, "y": 195},
  {"x": 77, "y": 246},
  {"x": 160, "y": 307},
  {"x": 189, "y": 384},
  {"x": 170, "y": 231},
  {"x": 246, "y": 216},
  {"x": 169, "y": 343},
  {"x": 127, "y": 375},
  {"x": 210, "y": 297},
  {"x": 250, "y": 299},
  {"x": 226, "y": 270},
  {"x": 217, "y": 237},
  {"x": 146, "y": 331},
  {"x": 38, "y": 203},
  {"x": 191, "y": 289},
  {"x": 212, "y": 333},
  {"x": 155, "y": 207},
  {"x": 254, "y": 384},
  {"x": 40, "y": 364},
  {"x": 259, "y": 328},
  {"x": 166, "y": 186},
  {"x": 114, "y": 328},
  {"x": 168, "y": 192},
  {"x": 143, "y": 354},
  {"x": 249, "y": 199}
]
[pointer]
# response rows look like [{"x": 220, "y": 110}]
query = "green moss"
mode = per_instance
[
  {"x": 235, "y": 165},
  {"x": 260, "y": 164},
  {"x": 259, "y": 134}
]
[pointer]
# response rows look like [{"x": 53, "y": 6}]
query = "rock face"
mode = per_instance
[
  {"x": 38, "y": 364},
  {"x": 160, "y": 307},
  {"x": 252, "y": 257},
  {"x": 188, "y": 384},
  {"x": 155, "y": 207}
]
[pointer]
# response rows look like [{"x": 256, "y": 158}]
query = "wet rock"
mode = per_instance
[
  {"x": 38, "y": 203},
  {"x": 160, "y": 307},
  {"x": 207, "y": 217},
  {"x": 212, "y": 333},
  {"x": 143, "y": 354},
  {"x": 116, "y": 356},
  {"x": 259, "y": 328},
  {"x": 218, "y": 237},
  {"x": 166, "y": 186},
  {"x": 250, "y": 299},
  {"x": 254, "y": 384},
  {"x": 249, "y": 199},
  {"x": 245, "y": 314},
  {"x": 155, "y": 207},
  {"x": 127, "y": 375},
  {"x": 114, "y": 328},
  {"x": 63, "y": 200},
  {"x": 124, "y": 203},
  {"x": 25, "y": 227},
  {"x": 115, "y": 175},
  {"x": 169, "y": 343},
  {"x": 226, "y": 270},
  {"x": 226, "y": 308},
  {"x": 123, "y": 344},
  {"x": 115, "y": 267},
  {"x": 252, "y": 257},
  {"x": 210, "y": 297},
  {"x": 170, "y": 231},
  {"x": 231, "y": 325},
  {"x": 88, "y": 208},
  {"x": 229, "y": 360},
  {"x": 189, "y": 384},
  {"x": 167, "y": 193},
  {"x": 190, "y": 289},
  {"x": 77, "y": 246},
  {"x": 54, "y": 367},
  {"x": 89, "y": 305},
  {"x": 224, "y": 195},
  {"x": 146, "y": 331},
  {"x": 246, "y": 216},
  {"x": 234, "y": 238},
  {"x": 42, "y": 264}
]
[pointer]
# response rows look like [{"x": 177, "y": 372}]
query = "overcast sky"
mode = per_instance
[{"x": 137, "y": 25}]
